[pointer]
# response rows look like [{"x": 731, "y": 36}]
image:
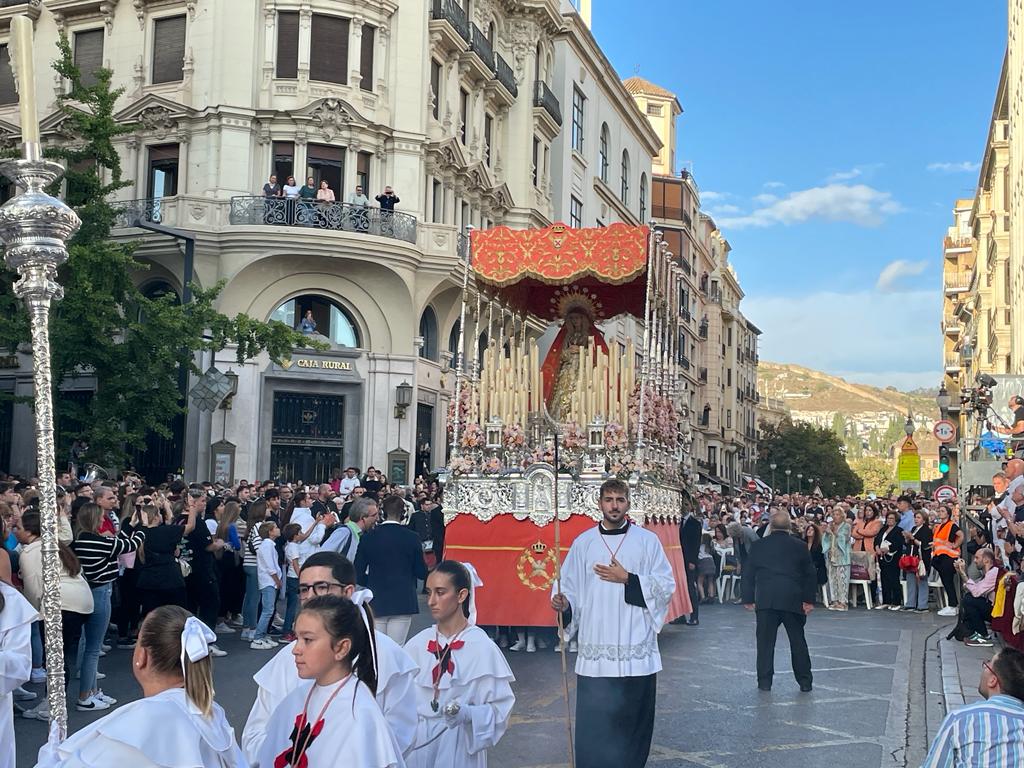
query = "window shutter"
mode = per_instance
[
  {"x": 288, "y": 44},
  {"x": 7, "y": 93},
  {"x": 328, "y": 49},
  {"x": 169, "y": 50},
  {"x": 366, "y": 57},
  {"x": 89, "y": 54}
]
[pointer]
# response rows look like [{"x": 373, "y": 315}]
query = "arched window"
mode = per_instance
[
  {"x": 537, "y": 74},
  {"x": 602, "y": 156},
  {"x": 490, "y": 33},
  {"x": 643, "y": 197},
  {"x": 428, "y": 332},
  {"x": 624, "y": 195},
  {"x": 157, "y": 289},
  {"x": 481, "y": 347},
  {"x": 329, "y": 319},
  {"x": 453, "y": 341}
]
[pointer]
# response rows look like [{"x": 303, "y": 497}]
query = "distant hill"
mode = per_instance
[{"x": 807, "y": 390}]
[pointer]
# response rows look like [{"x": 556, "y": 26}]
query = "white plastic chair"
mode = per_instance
[
  {"x": 934, "y": 582},
  {"x": 864, "y": 584}
]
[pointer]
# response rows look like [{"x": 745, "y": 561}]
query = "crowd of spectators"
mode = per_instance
[{"x": 230, "y": 555}]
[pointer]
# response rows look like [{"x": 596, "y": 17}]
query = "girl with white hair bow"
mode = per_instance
[
  {"x": 463, "y": 688},
  {"x": 176, "y": 723}
]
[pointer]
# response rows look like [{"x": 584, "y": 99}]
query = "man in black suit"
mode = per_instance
[
  {"x": 689, "y": 538},
  {"x": 779, "y": 582},
  {"x": 389, "y": 561}
]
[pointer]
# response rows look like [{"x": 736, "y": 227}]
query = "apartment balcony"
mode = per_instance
[
  {"x": 545, "y": 99},
  {"x": 480, "y": 57},
  {"x": 344, "y": 217},
  {"x": 958, "y": 244},
  {"x": 950, "y": 326},
  {"x": 952, "y": 365},
  {"x": 956, "y": 281},
  {"x": 716, "y": 297},
  {"x": 506, "y": 76},
  {"x": 127, "y": 213},
  {"x": 702, "y": 330},
  {"x": 684, "y": 362},
  {"x": 449, "y": 21},
  {"x": 685, "y": 314},
  {"x": 703, "y": 375}
]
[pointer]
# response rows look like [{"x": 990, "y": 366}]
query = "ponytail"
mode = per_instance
[
  {"x": 342, "y": 619},
  {"x": 31, "y": 523},
  {"x": 365, "y": 664},
  {"x": 160, "y": 635}
]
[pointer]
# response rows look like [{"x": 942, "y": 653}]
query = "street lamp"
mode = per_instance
[
  {"x": 799, "y": 482},
  {"x": 943, "y": 400},
  {"x": 772, "y": 466},
  {"x": 909, "y": 426},
  {"x": 788, "y": 473},
  {"x": 403, "y": 399}
]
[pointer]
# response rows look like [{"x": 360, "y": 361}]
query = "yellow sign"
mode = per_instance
[
  {"x": 325, "y": 365},
  {"x": 908, "y": 470}
]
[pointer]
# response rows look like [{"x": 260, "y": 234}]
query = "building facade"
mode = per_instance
[
  {"x": 458, "y": 105},
  {"x": 1015, "y": 130}
]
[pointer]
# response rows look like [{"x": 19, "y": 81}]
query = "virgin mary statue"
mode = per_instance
[{"x": 561, "y": 368}]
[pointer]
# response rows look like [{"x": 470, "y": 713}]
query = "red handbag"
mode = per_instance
[{"x": 909, "y": 563}]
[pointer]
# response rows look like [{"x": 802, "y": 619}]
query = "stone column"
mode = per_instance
[{"x": 355, "y": 51}]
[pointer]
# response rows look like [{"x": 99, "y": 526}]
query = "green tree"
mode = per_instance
[
  {"x": 808, "y": 449},
  {"x": 105, "y": 327},
  {"x": 839, "y": 426},
  {"x": 876, "y": 473}
]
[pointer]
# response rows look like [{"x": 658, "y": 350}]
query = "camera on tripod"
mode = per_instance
[{"x": 979, "y": 398}]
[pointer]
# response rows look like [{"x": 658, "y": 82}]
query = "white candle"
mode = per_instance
[{"x": 25, "y": 75}]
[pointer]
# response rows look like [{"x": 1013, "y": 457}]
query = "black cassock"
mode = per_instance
[{"x": 614, "y": 721}]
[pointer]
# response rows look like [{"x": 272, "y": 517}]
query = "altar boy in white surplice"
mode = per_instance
[{"x": 616, "y": 584}]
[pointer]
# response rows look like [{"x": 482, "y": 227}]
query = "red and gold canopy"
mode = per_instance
[{"x": 533, "y": 269}]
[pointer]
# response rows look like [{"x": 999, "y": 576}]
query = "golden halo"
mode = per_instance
[{"x": 573, "y": 298}]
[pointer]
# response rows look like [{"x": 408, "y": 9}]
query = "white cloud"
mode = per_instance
[
  {"x": 895, "y": 271},
  {"x": 853, "y": 173},
  {"x": 725, "y": 208},
  {"x": 773, "y": 185},
  {"x": 961, "y": 167},
  {"x": 709, "y": 196},
  {"x": 764, "y": 198},
  {"x": 881, "y": 339},
  {"x": 855, "y": 204}
]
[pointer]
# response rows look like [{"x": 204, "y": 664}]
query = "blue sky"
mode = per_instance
[{"x": 829, "y": 141}]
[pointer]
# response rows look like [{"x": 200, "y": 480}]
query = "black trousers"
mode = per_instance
[
  {"x": 977, "y": 611},
  {"x": 768, "y": 621},
  {"x": 943, "y": 564},
  {"x": 614, "y": 721},
  {"x": 691, "y": 588},
  {"x": 154, "y": 598},
  {"x": 128, "y": 605},
  {"x": 892, "y": 592}
]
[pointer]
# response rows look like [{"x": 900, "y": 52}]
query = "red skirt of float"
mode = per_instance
[{"x": 516, "y": 562}]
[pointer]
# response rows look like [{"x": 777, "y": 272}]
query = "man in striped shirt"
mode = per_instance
[{"x": 989, "y": 733}]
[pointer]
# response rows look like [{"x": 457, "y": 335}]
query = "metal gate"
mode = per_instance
[{"x": 307, "y": 436}]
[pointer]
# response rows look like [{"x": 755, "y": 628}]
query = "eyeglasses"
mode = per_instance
[
  {"x": 988, "y": 666},
  {"x": 319, "y": 588}
]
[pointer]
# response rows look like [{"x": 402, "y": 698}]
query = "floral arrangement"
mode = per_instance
[
  {"x": 492, "y": 466},
  {"x": 661, "y": 421},
  {"x": 465, "y": 408},
  {"x": 573, "y": 437},
  {"x": 513, "y": 437},
  {"x": 462, "y": 465},
  {"x": 614, "y": 436},
  {"x": 472, "y": 436}
]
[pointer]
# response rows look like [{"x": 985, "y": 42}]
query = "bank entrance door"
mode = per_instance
[{"x": 307, "y": 437}]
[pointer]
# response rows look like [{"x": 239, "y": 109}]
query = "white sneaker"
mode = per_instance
[
  {"x": 262, "y": 645},
  {"x": 517, "y": 646},
  {"x": 531, "y": 645},
  {"x": 91, "y": 704},
  {"x": 104, "y": 698},
  {"x": 39, "y": 712},
  {"x": 104, "y": 648},
  {"x": 100, "y": 675},
  {"x": 215, "y": 651},
  {"x": 895, "y": 608},
  {"x": 38, "y": 675},
  {"x": 20, "y": 694},
  {"x": 248, "y": 635},
  {"x": 574, "y": 647},
  {"x": 949, "y": 610},
  {"x": 224, "y": 629}
]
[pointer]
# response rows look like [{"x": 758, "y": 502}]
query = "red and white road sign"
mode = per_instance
[
  {"x": 945, "y": 493},
  {"x": 944, "y": 431}
]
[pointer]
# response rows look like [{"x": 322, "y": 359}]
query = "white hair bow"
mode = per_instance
[
  {"x": 474, "y": 582},
  {"x": 359, "y": 599},
  {"x": 196, "y": 638}
]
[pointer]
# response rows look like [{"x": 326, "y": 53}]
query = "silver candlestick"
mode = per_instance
[{"x": 34, "y": 229}]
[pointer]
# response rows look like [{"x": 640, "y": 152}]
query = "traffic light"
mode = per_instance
[{"x": 943, "y": 459}]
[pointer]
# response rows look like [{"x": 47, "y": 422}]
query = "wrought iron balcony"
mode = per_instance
[
  {"x": 127, "y": 212},
  {"x": 452, "y": 12},
  {"x": 481, "y": 46},
  {"x": 505, "y": 75},
  {"x": 344, "y": 217},
  {"x": 543, "y": 97}
]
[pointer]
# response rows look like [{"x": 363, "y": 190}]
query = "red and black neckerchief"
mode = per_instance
[
  {"x": 443, "y": 654},
  {"x": 304, "y": 733}
]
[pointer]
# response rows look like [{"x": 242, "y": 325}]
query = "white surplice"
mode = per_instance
[
  {"x": 354, "y": 732},
  {"x": 481, "y": 681},
  {"x": 617, "y": 639},
  {"x": 396, "y": 674},
  {"x": 15, "y": 662},
  {"x": 161, "y": 731}
]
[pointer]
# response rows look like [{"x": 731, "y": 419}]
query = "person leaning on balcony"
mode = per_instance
[
  {"x": 388, "y": 200},
  {"x": 272, "y": 188},
  {"x": 307, "y": 194},
  {"x": 271, "y": 207},
  {"x": 358, "y": 203},
  {"x": 325, "y": 194}
]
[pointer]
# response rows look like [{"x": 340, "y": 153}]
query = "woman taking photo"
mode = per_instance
[
  {"x": 889, "y": 547},
  {"x": 160, "y": 581},
  {"x": 463, "y": 692},
  {"x": 835, "y": 542},
  {"x": 947, "y": 538},
  {"x": 919, "y": 543},
  {"x": 76, "y": 602},
  {"x": 332, "y": 717},
  {"x": 98, "y": 555},
  {"x": 176, "y": 723}
]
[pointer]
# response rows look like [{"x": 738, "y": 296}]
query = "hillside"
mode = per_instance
[{"x": 807, "y": 390}]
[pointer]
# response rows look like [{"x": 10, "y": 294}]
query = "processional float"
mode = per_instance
[{"x": 549, "y": 405}]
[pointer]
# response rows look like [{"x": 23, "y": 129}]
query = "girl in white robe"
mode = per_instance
[
  {"x": 332, "y": 718},
  {"x": 16, "y": 617},
  {"x": 177, "y": 724},
  {"x": 463, "y": 689}
]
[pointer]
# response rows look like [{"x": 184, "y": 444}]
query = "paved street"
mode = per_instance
[{"x": 867, "y": 709}]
